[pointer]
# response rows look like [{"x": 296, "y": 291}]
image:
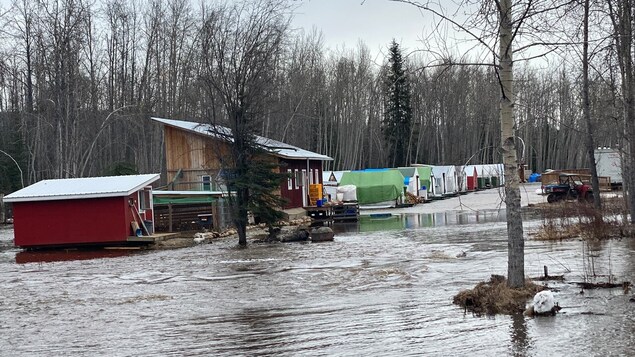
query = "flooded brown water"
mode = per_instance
[{"x": 382, "y": 288}]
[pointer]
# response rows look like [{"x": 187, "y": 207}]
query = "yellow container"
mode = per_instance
[{"x": 315, "y": 193}]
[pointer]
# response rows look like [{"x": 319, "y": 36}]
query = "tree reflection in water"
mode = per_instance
[{"x": 521, "y": 342}]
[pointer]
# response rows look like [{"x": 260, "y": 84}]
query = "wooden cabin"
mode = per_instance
[
  {"x": 194, "y": 151},
  {"x": 80, "y": 211}
]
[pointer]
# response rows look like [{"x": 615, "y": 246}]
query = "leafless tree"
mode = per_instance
[
  {"x": 241, "y": 44},
  {"x": 621, "y": 12}
]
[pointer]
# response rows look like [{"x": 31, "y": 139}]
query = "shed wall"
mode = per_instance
[{"x": 85, "y": 221}]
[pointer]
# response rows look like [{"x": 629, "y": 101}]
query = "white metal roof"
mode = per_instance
[
  {"x": 275, "y": 147},
  {"x": 79, "y": 188}
]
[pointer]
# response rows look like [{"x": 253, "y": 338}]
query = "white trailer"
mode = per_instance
[{"x": 609, "y": 164}]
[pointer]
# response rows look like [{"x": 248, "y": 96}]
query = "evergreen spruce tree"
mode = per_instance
[
  {"x": 255, "y": 179},
  {"x": 397, "y": 122}
]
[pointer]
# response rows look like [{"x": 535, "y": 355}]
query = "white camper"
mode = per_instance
[{"x": 609, "y": 164}]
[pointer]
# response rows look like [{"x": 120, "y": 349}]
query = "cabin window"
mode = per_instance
[
  {"x": 207, "y": 182},
  {"x": 316, "y": 174},
  {"x": 298, "y": 179},
  {"x": 144, "y": 200},
  {"x": 289, "y": 179},
  {"x": 304, "y": 178},
  {"x": 311, "y": 177}
]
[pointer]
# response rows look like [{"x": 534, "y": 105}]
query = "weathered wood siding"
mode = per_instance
[
  {"x": 194, "y": 155},
  {"x": 192, "y": 151}
]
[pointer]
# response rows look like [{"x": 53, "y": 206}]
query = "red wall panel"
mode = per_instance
[{"x": 81, "y": 221}]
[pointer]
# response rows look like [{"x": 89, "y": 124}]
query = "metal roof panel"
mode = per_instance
[
  {"x": 80, "y": 188},
  {"x": 275, "y": 147}
]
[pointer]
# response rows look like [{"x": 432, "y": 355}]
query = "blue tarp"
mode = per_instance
[{"x": 535, "y": 177}]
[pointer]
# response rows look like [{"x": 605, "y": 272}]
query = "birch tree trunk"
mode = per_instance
[
  {"x": 622, "y": 16},
  {"x": 589, "y": 142},
  {"x": 515, "y": 240},
  {"x": 628, "y": 85}
]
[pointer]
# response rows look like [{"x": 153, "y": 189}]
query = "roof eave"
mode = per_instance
[
  {"x": 152, "y": 179},
  {"x": 65, "y": 197},
  {"x": 302, "y": 157}
]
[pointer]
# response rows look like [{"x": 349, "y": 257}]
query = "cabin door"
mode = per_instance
[
  {"x": 418, "y": 183},
  {"x": 445, "y": 186}
]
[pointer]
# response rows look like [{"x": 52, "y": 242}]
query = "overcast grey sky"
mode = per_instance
[{"x": 376, "y": 22}]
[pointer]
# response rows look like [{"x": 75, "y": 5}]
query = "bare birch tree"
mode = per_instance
[
  {"x": 515, "y": 239},
  {"x": 621, "y": 12},
  {"x": 509, "y": 20}
]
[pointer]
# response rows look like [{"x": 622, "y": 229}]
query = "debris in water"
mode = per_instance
[
  {"x": 494, "y": 297},
  {"x": 624, "y": 285},
  {"x": 544, "y": 303}
]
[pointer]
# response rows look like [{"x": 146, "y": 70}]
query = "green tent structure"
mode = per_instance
[
  {"x": 417, "y": 179},
  {"x": 425, "y": 177},
  {"x": 375, "y": 186}
]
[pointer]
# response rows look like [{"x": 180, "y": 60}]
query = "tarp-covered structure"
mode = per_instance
[
  {"x": 445, "y": 180},
  {"x": 427, "y": 178},
  {"x": 375, "y": 185},
  {"x": 472, "y": 176},
  {"x": 417, "y": 179},
  {"x": 461, "y": 179},
  {"x": 490, "y": 175}
]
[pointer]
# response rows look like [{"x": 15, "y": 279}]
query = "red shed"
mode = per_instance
[{"x": 91, "y": 210}]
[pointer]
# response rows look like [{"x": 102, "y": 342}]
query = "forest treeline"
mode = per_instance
[{"x": 80, "y": 79}]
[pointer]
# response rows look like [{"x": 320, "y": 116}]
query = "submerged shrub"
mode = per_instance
[{"x": 495, "y": 297}]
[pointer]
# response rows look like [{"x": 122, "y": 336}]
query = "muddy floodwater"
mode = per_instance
[{"x": 384, "y": 287}]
